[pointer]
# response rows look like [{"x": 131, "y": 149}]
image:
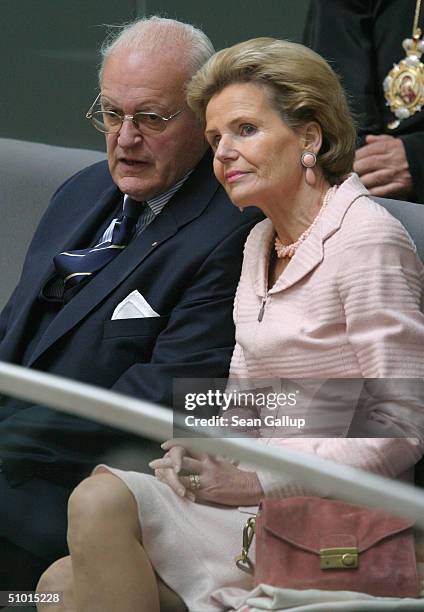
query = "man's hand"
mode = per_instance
[
  {"x": 220, "y": 481},
  {"x": 383, "y": 168}
]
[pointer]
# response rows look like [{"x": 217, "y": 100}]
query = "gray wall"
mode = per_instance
[{"x": 48, "y": 51}]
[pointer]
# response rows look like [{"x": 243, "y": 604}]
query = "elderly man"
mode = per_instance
[{"x": 128, "y": 283}]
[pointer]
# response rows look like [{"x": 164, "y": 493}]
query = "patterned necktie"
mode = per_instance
[{"x": 77, "y": 266}]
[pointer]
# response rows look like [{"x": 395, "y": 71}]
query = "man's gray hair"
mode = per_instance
[{"x": 154, "y": 34}]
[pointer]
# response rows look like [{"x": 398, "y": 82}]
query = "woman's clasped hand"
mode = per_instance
[{"x": 206, "y": 478}]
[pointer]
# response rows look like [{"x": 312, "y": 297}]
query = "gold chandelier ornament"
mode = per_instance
[{"x": 404, "y": 85}]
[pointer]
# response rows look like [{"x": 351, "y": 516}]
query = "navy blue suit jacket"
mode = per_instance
[{"x": 186, "y": 264}]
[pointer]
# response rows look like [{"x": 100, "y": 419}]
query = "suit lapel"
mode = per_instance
[
  {"x": 89, "y": 220},
  {"x": 187, "y": 204},
  {"x": 90, "y": 223},
  {"x": 310, "y": 254},
  {"x": 306, "y": 259}
]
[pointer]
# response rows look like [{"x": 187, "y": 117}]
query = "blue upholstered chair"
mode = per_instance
[
  {"x": 411, "y": 216},
  {"x": 30, "y": 173}
]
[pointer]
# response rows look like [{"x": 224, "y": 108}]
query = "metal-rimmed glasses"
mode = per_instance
[{"x": 110, "y": 122}]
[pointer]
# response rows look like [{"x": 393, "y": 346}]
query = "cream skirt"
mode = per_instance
[{"x": 190, "y": 545}]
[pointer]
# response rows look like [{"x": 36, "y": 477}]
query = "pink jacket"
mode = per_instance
[{"x": 349, "y": 305}]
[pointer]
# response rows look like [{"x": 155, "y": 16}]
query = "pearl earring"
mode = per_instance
[{"x": 308, "y": 159}]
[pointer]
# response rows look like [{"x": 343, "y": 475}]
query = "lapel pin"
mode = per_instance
[{"x": 154, "y": 244}]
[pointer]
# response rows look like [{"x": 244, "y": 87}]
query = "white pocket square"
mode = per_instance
[{"x": 133, "y": 307}]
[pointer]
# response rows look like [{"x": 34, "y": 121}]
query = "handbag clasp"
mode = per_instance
[
  {"x": 242, "y": 560},
  {"x": 339, "y": 558}
]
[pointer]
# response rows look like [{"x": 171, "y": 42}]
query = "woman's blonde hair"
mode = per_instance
[{"x": 302, "y": 88}]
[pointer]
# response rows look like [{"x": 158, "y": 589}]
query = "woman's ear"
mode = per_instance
[{"x": 312, "y": 137}]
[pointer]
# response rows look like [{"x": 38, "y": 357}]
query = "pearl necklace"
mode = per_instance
[{"x": 289, "y": 250}]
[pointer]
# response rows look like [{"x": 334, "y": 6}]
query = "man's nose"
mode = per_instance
[
  {"x": 225, "y": 149},
  {"x": 129, "y": 135}
]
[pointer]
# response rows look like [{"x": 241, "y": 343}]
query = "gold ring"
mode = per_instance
[{"x": 194, "y": 482}]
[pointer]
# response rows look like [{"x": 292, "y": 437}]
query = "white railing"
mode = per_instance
[{"x": 155, "y": 422}]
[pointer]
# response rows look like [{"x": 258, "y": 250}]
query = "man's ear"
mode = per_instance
[{"x": 312, "y": 137}]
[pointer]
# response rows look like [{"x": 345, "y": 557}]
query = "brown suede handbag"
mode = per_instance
[{"x": 315, "y": 543}]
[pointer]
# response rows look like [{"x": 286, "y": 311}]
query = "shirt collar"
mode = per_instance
[{"x": 157, "y": 203}]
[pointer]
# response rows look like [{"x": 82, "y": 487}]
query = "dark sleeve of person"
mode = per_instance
[
  {"x": 393, "y": 22},
  {"x": 342, "y": 32},
  {"x": 362, "y": 39},
  {"x": 196, "y": 342}
]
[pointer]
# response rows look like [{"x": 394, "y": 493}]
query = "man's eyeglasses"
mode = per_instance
[{"x": 110, "y": 122}]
